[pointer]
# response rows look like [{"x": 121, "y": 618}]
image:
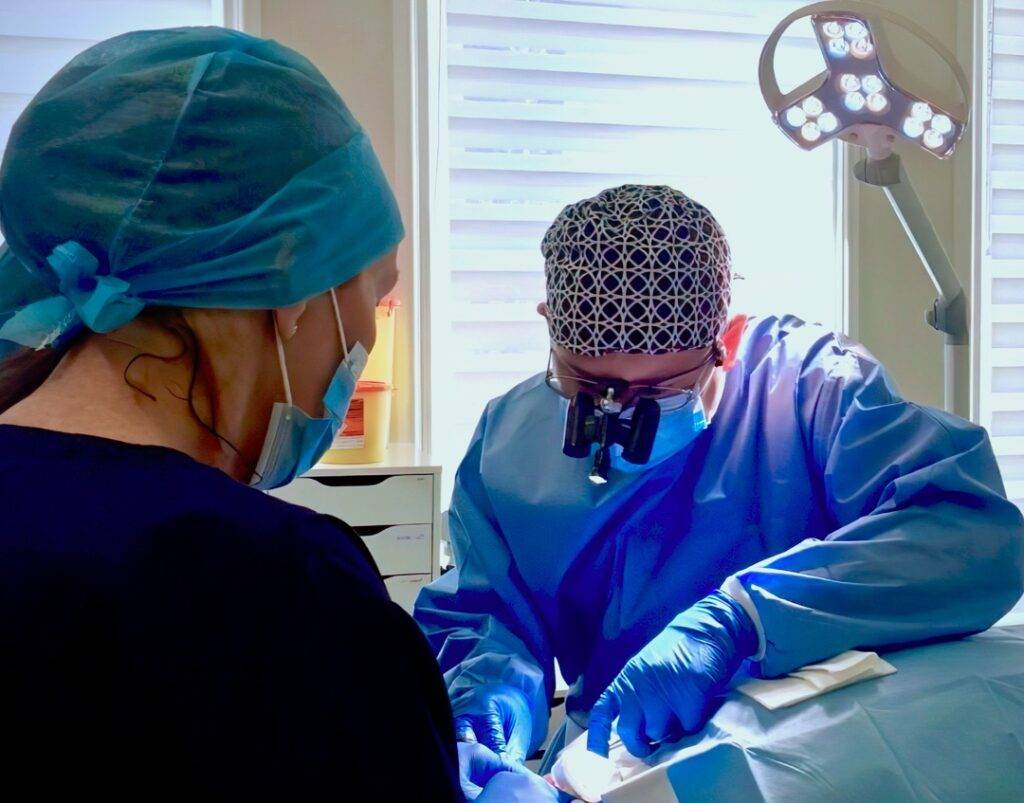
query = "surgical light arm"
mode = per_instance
[{"x": 949, "y": 312}]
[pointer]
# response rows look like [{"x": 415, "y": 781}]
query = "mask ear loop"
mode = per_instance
[
  {"x": 718, "y": 360},
  {"x": 715, "y": 360},
  {"x": 337, "y": 317},
  {"x": 280, "y": 360}
]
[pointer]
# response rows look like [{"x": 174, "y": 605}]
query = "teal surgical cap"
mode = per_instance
[{"x": 192, "y": 167}]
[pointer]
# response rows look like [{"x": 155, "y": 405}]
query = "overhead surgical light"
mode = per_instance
[
  {"x": 862, "y": 48},
  {"x": 862, "y": 97},
  {"x": 872, "y": 83},
  {"x": 832, "y": 29},
  {"x": 796, "y": 117},
  {"x": 922, "y": 111},
  {"x": 942, "y": 124},
  {"x": 847, "y": 86},
  {"x": 828, "y": 122},
  {"x": 913, "y": 127},
  {"x": 877, "y": 102},
  {"x": 838, "y": 47},
  {"x": 855, "y": 101},
  {"x": 810, "y": 132},
  {"x": 812, "y": 106}
]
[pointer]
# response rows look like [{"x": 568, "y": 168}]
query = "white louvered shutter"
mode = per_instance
[
  {"x": 38, "y": 37},
  {"x": 1000, "y": 328},
  {"x": 550, "y": 101}
]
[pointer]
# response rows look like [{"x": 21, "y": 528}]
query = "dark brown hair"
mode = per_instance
[{"x": 25, "y": 370}]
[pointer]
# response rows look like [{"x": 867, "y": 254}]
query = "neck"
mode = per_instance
[{"x": 138, "y": 387}]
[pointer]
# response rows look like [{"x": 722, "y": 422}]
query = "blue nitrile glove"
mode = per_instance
[
  {"x": 496, "y": 715},
  {"x": 507, "y": 787},
  {"x": 666, "y": 690},
  {"x": 489, "y": 778}
]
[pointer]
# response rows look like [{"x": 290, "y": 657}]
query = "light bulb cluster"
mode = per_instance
[
  {"x": 855, "y": 98},
  {"x": 863, "y": 92},
  {"x": 930, "y": 125},
  {"x": 811, "y": 118},
  {"x": 851, "y": 38}
]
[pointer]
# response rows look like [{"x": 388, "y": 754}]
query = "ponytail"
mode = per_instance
[{"x": 25, "y": 370}]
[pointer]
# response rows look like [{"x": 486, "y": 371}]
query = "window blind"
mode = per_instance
[
  {"x": 1000, "y": 328},
  {"x": 1002, "y": 308},
  {"x": 550, "y": 101},
  {"x": 38, "y": 38}
]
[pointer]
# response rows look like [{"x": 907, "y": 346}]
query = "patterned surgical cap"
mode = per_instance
[{"x": 638, "y": 269}]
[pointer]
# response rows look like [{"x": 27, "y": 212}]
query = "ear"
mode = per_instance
[
  {"x": 724, "y": 354},
  {"x": 543, "y": 311},
  {"x": 287, "y": 319},
  {"x": 729, "y": 342}
]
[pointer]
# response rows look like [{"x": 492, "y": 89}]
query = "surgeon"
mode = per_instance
[
  {"x": 197, "y": 233},
  {"x": 680, "y": 494}
]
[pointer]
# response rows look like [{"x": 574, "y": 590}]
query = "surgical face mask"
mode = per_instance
[
  {"x": 679, "y": 426},
  {"x": 295, "y": 441}
]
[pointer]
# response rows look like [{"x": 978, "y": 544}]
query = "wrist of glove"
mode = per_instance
[
  {"x": 668, "y": 689},
  {"x": 497, "y": 716},
  {"x": 720, "y": 611}
]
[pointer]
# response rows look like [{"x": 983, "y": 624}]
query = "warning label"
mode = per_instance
[{"x": 353, "y": 431}]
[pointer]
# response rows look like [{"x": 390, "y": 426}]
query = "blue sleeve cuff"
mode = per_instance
[{"x": 733, "y": 588}]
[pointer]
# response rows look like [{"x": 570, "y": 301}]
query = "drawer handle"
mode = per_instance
[
  {"x": 368, "y": 531},
  {"x": 341, "y": 482}
]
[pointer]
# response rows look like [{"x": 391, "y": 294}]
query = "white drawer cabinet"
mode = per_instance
[
  {"x": 401, "y": 548},
  {"x": 393, "y": 506},
  {"x": 365, "y": 500},
  {"x": 403, "y": 588}
]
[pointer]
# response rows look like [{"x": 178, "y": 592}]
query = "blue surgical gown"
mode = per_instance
[{"x": 848, "y": 517}]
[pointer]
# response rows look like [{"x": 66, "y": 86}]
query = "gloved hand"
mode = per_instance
[
  {"x": 506, "y": 787},
  {"x": 496, "y": 715},
  {"x": 666, "y": 689},
  {"x": 489, "y": 778}
]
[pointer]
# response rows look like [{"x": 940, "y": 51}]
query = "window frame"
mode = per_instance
[
  {"x": 241, "y": 15},
  {"x": 980, "y": 286}
]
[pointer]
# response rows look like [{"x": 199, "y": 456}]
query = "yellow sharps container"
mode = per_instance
[{"x": 364, "y": 436}]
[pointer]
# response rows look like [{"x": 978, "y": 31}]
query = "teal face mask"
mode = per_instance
[
  {"x": 295, "y": 441},
  {"x": 678, "y": 428}
]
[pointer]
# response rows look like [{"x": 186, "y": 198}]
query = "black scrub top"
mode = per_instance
[{"x": 165, "y": 630}]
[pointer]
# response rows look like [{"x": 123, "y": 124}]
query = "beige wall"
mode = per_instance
[
  {"x": 893, "y": 290},
  {"x": 352, "y": 43}
]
